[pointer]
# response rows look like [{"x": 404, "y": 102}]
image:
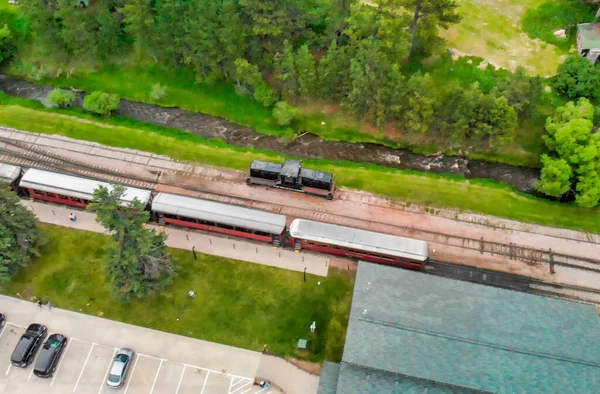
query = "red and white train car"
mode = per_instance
[
  {"x": 71, "y": 190},
  {"x": 217, "y": 217},
  {"x": 9, "y": 174},
  {"x": 359, "y": 244}
]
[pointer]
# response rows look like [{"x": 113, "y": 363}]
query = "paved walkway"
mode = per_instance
[{"x": 203, "y": 243}]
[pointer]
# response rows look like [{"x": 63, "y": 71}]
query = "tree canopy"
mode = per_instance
[
  {"x": 19, "y": 234},
  {"x": 138, "y": 263},
  {"x": 576, "y": 147}
]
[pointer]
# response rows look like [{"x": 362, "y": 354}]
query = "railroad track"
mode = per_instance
[
  {"x": 513, "y": 282},
  {"x": 31, "y": 155}
]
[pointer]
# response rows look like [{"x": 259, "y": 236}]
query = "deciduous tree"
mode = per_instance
[
  {"x": 139, "y": 263},
  {"x": 101, "y": 103},
  {"x": 19, "y": 234},
  {"x": 555, "y": 178},
  {"x": 418, "y": 109},
  {"x": 61, "y": 98},
  {"x": 576, "y": 78}
]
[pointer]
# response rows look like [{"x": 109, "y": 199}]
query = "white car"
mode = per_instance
[{"x": 119, "y": 368}]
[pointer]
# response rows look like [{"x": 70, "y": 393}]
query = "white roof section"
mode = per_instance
[
  {"x": 9, "y": 173},
  {"x": 73, "y": 186},
  {"x": 211, "y": 211},
  {"x": 369, "y": 241}
]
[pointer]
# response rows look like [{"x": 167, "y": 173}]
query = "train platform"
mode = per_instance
[{"x": 202, "y": 243}]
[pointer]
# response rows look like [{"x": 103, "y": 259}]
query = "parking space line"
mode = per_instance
[
  {"x": 8, "y": 370},
  {"x": 180, "y": 379},
  {"x": 151, "y": 356},
  {"x": 132, "y": 371},
  {"x": 246, "y": 390},
  {"x": 156, "y": 377},
  {"x": 241, "y": 387},
  {"x": 62, "y": 357},
  {"x": 232, "y": 385},
  {"x": 107, "y": 371},
  {"x": 16, "y": 325},
  {"x": 204, "y": 384},
  {"x": 32, "y": 368},
  {"x": 258, "y": 392},
  {"x": 84, "y": 364}
]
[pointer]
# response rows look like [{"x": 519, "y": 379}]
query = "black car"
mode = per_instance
[
  {"x": 28, "y": 345},
  {"x": 50, "y": 355},
  {"x": 2, "y": 319}
]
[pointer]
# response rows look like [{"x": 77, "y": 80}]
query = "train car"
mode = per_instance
[
  {"x": 71, "y": 190},
  {"x": 218, "y": 217},
  {"x": 10, "y": 174},
  {"x": 359, "y": 244},
  {"x": 292, "y": 176}
]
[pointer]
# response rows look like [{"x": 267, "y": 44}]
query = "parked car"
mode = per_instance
[
  {"x": 28, "y": 345},
  {"x": 119, "y": 368},
  {"x": 50, "y": 355},
  {"x": 2, "y": 320}
]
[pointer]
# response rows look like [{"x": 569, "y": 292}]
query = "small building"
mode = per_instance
[
  {"x": 588, "y": 41},
  {"x": 411, "y": 332}
]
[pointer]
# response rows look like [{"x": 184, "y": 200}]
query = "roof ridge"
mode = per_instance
[{"x": 481, "y": 343}]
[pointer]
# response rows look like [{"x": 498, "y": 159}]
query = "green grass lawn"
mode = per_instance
[
  {"x": 237, "y": 303},
  {"x": 446, "y": 191}
]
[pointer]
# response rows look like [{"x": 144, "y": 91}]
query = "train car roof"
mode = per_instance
[
  {"x": 316, "y": 175},
  {"x": 369, "y": 241},
  {"x": 74, "y": 186},
  {"x": 211, "y": 211},
  {"x": 291, "y": 168},
  {"x": 9, "y": 173}
]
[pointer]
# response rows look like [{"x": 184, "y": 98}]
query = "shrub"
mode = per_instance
[
  {"x": 285, "y": 113},
  {"x": 101, "y": 103},
  {"x": 158, "y": 91},
  {"x": 60, "y": 98},
  {"x": 265, "y": 95},
  {"x": 288, "y": 137},
  {"x": 576, "y": 78}
]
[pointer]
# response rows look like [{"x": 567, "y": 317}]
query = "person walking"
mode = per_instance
[
  {"x": 39, "y": 302},
  {"x": 72, "y": 217}
]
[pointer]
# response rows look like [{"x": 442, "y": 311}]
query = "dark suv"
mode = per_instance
[
  {"x": 50, "y": 355},
  {"x": 28, "y": 345}
]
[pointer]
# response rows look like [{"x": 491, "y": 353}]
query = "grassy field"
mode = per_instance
[
  {"x": 493, "y": 31},
  {"x": 237, "y": 303},
  {"x": 480, "y": 196}
]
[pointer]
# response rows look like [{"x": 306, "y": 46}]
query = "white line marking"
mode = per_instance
[
  {"x": 260, "y": 391},
  {"x": 62, "y": 357},
  {"x": 236, "y": 383},
  {"x": 31, "y": 373},
  {"x": 244, "y": 392},
  {"x": 107, "y": 370},
  {"x": 204, "y": 384},
  {"x": 83, "y": 369},
  {"x": 131, "y": 374},
  {"x": 156, "y": 377},
  {"x": 8, "y": 370},
  {"x": 16, "y": 325},
  {"x": 180, "y": 379},
  {"x": 240, "y": 387},
  {"x": 148, "y": 355}
]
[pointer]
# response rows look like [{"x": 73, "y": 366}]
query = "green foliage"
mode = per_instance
[
  {"x": 61, "y": 98},
  {"x": 556, "y": 177},
  {"x": 158, "y": 91},
  {"x": 101, "y": 103},
  {"x": 288, "y": 137},
  {"x": 285, "y": 113},
  {"x": 288, "y": 76},
  {"x": 306, "y": 68},
  {"x": 265, "y": 95},
  {"x": 333, "y": 71},
  {"x": 576, "y": 78},
  {"x": 6, "y": 45},
  {"x": 419, "y": 106},
  {"x": 247, "y": 75},
  {"x": 19, "y": 234},
  {"x": 139, "y": 263},
  {"x": 522, "y": 92},
  {"x": 552, "y": 15},
  {"x": 572, "y": 138}
]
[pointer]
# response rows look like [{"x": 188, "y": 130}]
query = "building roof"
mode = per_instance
[
  {"x": 464, "y": 335},
  {"x": 328, "y": 381},
  {"x": 9, "y": 173},
  {"x": 77, "y": 187},
  {"x": 588, "y": 36},
  {"x": 385, "y": 244},
  {"x": 215, "y": 212}
]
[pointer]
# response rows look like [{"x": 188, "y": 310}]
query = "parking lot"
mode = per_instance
[{"x": 84, "y": 365}]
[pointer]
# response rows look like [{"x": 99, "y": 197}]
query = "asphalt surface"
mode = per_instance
[{"x": 163, "y": 363}]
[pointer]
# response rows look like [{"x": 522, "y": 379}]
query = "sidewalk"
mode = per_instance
[{"x": 204, "y": 243}]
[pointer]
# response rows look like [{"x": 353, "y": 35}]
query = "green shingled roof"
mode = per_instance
[{"x": 459, "y": 334}]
